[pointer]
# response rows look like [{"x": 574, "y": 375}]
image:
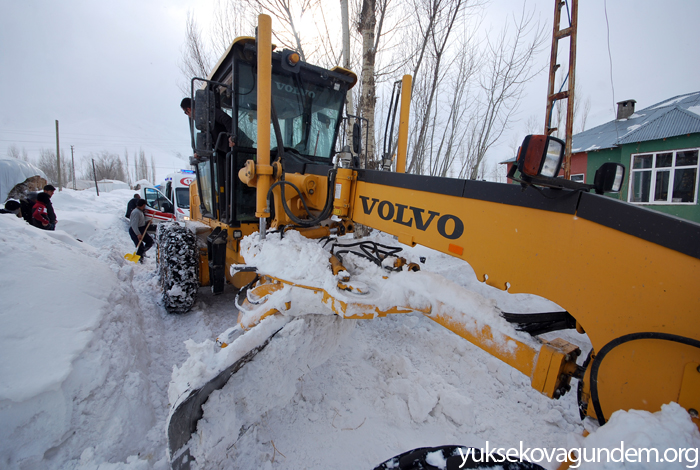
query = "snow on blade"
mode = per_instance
[{"x": 305, "y": 262}]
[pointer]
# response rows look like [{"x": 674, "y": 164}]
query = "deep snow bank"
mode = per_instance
[
  {"x": 76, "y": 381},
  {"x": 55, "y": 293},
  {"x": 43, "y": 329}
]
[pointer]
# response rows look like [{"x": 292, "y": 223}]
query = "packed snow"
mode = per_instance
[
  {"x": 673, "y": 101},
  {"x": 91, "y": 362}
]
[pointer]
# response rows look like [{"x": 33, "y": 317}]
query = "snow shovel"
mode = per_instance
[{"x": 133, "y": 256}]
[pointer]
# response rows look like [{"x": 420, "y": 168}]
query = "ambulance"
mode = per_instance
[
  {"x": 172, "y": 201},
  {"x": 177, "y": 190}
]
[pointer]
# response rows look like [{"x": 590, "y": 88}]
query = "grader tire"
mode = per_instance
[{"x": 177, "y": 267}]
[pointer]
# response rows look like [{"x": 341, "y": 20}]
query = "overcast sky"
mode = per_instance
[{"x": 108, "y": 71}]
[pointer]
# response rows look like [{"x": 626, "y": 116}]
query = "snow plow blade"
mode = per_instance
[{"x": 183, "y": 419}]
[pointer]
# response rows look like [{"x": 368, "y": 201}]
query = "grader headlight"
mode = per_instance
[
  {"x": 552, "y": 158},
  {"x": 541, "y": 155}
]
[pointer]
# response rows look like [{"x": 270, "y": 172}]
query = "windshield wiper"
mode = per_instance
[{"x": 294, "y": 154}]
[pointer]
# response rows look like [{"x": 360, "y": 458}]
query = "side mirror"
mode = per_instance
[
  {"x": 539, "y": 161},
  {"x": 609, "y": 178},
  {"x": 204, "y": 106},
  {"x": 203, "y": 145},
  {"x": 540, "y": 155},
  {"x": 356, "y": 138}
]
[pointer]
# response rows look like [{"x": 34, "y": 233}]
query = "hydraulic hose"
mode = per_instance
[
  {"x": 282, "y": 183},
  {"x": 597, "y": 361}
]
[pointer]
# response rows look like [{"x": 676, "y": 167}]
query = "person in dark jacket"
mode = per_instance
[
  {"x": 137, "y": 229},
  {"x": 131, "y": 205},
  {"x": 222, "y": 125},
  {"x": 40, "y": 216},
  {"x": 49, "y": 190}
]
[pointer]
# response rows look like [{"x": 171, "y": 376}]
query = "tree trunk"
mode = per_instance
[
  {"x": 349, "y": 105},
  {"x": 368, "y": 98}
]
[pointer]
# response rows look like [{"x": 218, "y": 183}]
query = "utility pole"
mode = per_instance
[
  {"x": 58, "y": 158},
  {"x": 72, "y": 159},
  {"x": 94, "y": 175}
]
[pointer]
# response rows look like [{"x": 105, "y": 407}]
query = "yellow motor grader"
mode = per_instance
[{"x": 625, "y": 275}]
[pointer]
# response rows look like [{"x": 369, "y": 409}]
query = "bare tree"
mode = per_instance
[
  {"x": 136, "y": 167},
  {"x": 585, "y": 110},
  {"x": 196, "y": 58},
  {"x": 508, "y": 67},
  {"x": 532, "y": 125},
  {"x": 128, "y": 174},
  {"x": 444, "y": 14},
  {"x": 332, "y": 53},
  {"x": 494, "y": 173},
  {"x": 232, "y": 18},
  {"x": 366, "y": 26},
  {"x": 107, "y": 166},
  {"x": 142, "y": 173},
  {"x": 153, "y": 170},
  {"x": 49, "y": 165},
  {"x": 371, "y": 26},
  {"x": 13, "y": 151},
  {"x": 452, "y": 137},
  {"x": 288, "y": 13},
  {"x": 581, "y": 109}
]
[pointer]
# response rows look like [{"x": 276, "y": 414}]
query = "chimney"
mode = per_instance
[{"x": 625, "y": 109}]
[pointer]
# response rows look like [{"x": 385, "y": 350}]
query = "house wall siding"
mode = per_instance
[
  {"x": 624, "y": 154},
  {"x": 579, "y": 164}
]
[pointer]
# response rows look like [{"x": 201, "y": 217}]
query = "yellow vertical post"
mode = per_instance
[
  {"x": 263, "y": 168},
  {"x": 401, "y": 149}
]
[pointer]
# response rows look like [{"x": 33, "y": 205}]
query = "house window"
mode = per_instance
[
  {"x": 664, "y": 177},
  {"x": 579, "y": 178}
]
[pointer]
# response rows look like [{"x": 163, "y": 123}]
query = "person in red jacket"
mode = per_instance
[{"x": 40, "y": 214}]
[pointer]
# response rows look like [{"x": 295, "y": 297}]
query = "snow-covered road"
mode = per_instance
[{"x": 87, "y": 353}]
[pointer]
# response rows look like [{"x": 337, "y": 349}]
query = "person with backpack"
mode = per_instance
[
  {"x": 40, "y": 213},
  {"x": 49, "y": 190}
]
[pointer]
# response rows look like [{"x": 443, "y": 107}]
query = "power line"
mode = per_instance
[
  {"x": 49, "y": 133},
  {"x": 88, "y": 141},
  {"x": 82, "y": 138},
  {"x": 612, "y": 83}
]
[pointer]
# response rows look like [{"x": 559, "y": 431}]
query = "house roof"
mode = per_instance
[{"x": 679, "y": 115}]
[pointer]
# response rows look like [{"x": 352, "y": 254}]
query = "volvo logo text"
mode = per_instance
[{"x": 414, "y": 216}]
